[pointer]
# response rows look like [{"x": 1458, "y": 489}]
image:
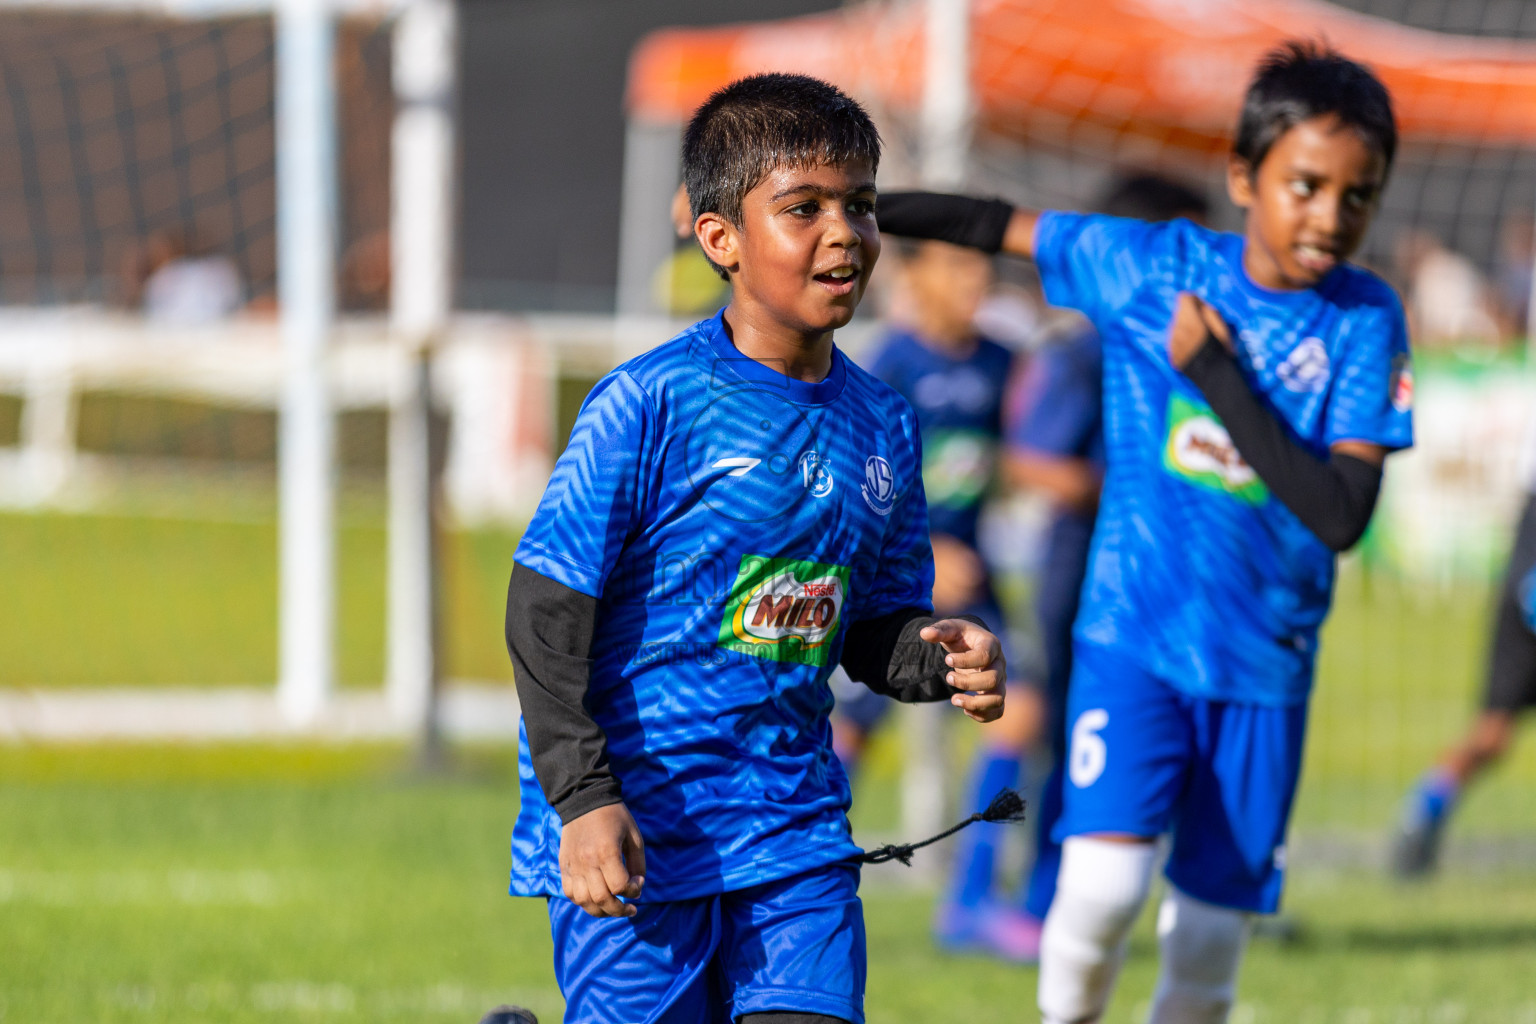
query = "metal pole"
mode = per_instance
[
  {"x": 652, "y": 161},
  {"x": 946, "y": 136},
  {"x": 947, "y": 109},
  {"x": 306, "y": 283},
  {"x": 421, "y": 252},
  {"x": 1530, "y": 301}
]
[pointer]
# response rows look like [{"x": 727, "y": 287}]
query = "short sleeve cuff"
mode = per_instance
[
  {"x": 584, "y": 579},
  {"x": 1052, "y": 234},
  {"x": 1390, "y": 437}
]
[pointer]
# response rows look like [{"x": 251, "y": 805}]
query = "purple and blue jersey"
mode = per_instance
[
  {"x": 1207, "y": 580},
  {"x": 731, "y": 521},
  {"x": 1058, "y": 410},
  {"x": 959, "y": 406}
]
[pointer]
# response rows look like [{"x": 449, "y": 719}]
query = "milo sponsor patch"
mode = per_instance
[
  {"x": 1200, "y": 450},
  {"x": 785, "y": 609}
]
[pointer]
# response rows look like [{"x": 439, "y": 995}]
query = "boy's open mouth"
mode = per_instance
[
  {"x": 1315, "y": 259},
  {"x": 840, "y": 279}
]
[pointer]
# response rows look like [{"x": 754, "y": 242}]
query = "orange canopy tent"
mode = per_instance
[{"x": 1169, "y": 70}]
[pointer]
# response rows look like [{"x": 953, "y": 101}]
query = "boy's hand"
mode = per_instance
[
  {"x": 976, "y": 662},
  {"x": 1193, "y": 321},
  {"x": 602, "y": 857}
]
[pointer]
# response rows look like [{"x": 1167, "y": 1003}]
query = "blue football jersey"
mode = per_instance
[
  {"x": 959, "y": 405},
  {"x": 731, "y": 521},
  {"x": 1197, "y": 570}
]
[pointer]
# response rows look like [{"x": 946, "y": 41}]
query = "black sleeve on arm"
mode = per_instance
[
  {"x": 959, "y": 220},
  {"x": 549, "y": 635},
  {"x": 1334, "y": 498},
  {"x": 887, "y": 655}
]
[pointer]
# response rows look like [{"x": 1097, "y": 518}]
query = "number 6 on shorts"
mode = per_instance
[{"x": 1086, "y": 763}]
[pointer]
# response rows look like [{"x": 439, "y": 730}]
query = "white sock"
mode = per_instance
[
  {"x": 1202, "y": 948},
  {"x": 1098, "y": 895}
]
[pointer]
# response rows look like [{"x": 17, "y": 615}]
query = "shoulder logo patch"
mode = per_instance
[{"x": 1401, "y": 386}]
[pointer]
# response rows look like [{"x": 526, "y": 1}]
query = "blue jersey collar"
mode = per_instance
[
  {"x": 802, "y": 392},
  {"x": 1237, "y": 246}
]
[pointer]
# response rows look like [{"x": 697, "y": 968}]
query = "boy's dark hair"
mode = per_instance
[
  {"x": 1302, "y": 79},
  {"x": 762, "y": 122},
  {"x": 1152, "y": 197}
]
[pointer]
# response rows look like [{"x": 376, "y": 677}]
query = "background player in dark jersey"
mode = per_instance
[
  {"x": 955, "y": 379},
  {"x": 738, "y": 510},
  {"x": 1055, "y": 446},
  {"x": 1510, "y": 689},
  {"x": 1254, "y": 385}
]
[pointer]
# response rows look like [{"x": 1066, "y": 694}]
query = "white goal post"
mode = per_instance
[{"x": 306, "y": 145}]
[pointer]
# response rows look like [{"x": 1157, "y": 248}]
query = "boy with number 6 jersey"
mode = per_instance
[
  {"x": 1253, "y": 386},
  {"x": 738, "y": 511}
]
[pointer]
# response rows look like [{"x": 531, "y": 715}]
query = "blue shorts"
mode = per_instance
[
  {"x": 796, "y": 944},
  {"x": 1145, "y": 759}
]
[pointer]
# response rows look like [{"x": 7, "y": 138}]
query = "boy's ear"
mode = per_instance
[
  {"x": 1240, "y": 184},
  {"x": 720, "y": 240}
]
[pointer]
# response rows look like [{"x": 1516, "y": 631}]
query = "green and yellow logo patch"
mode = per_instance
[
  {"x": 784, "y": 609},
  {"x": 1200, "y": 450}
]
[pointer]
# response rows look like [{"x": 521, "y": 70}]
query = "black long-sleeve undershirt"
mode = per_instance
[
  {"x": 1334, "y": 498},
  {"x": 549, "y": 630}
]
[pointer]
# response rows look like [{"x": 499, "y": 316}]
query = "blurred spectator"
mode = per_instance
[
  {"x": 1449, "y": 303},
  {"x": 175, "y": 279},
  {"x": 685, "y": 284},
  {"x": 365, "y": 273}
]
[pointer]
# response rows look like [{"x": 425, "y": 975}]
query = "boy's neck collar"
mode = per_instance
[
  {"x": 800, "y": 358},
  {"x": 765, "y": 371},
  {"x": 1253, "y": 287}
]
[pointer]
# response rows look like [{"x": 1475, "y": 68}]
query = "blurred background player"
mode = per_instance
[
  {"x": 1510, "y": 688},
  {"x": 1254, "y": 385},
  {"x": 955, "y": 379},
  {"x": 1055, "y": 447}
]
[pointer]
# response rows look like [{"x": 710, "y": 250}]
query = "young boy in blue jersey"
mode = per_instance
[
  {"x": 1254, "y": 384},
  {"x": 738, "y": 511}
]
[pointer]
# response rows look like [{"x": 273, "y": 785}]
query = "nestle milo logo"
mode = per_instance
[
  {"x": 1200, "y": 450},
  {"x": 784, "y": 609}
]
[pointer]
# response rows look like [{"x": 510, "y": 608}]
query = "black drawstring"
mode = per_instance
[{"x": 1007, "y": 807}]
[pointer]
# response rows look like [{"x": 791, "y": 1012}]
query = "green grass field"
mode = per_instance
[
  {"x": 243, "y": 884},
  {"x": 251, "y": 883},
  {"x": 116, "y": 599}
]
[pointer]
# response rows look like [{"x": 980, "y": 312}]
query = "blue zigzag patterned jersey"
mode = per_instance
[
  {"x": 1197, "y": 572},
  {"x": 731, "y": 521}
]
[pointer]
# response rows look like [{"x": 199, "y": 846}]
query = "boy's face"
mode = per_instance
[
  {"x": 1309, "y": 202},
  {"x": 805, "y": 247}
]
